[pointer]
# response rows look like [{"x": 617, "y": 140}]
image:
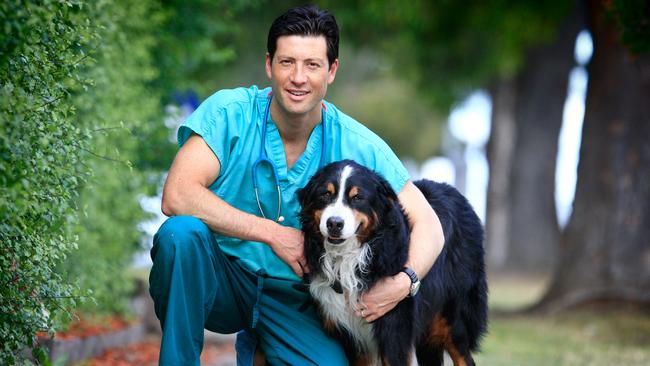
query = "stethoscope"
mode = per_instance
[{"x": 263, "y": 158}]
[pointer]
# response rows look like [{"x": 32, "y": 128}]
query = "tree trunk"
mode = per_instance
[
  {"x": 541, "y": 94},
  {"x": 605, "y": 250},
  {"x": 500, "y": 150}
]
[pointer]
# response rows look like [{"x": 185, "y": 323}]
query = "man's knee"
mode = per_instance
[{"x": 180, "y": 234}]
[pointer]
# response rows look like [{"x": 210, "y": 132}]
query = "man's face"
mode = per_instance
[{"x": 300, "y": 74}]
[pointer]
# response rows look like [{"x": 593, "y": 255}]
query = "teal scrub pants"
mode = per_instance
[{"x": 195, "y": 286}]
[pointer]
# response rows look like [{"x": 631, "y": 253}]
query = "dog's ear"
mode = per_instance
[
  {"x": 307, "y": 192},
  {"x": 303, "y": 194},
  {"x": 384, "y": 189}
]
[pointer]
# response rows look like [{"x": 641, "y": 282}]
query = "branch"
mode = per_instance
[
  {"x": 32, "y": 111},
  {"x": 104, "y": 157}
]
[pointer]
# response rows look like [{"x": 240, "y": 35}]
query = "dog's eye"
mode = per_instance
[
  {"x": 356, "y": 198},
  {"x": 326, "y": 195}
]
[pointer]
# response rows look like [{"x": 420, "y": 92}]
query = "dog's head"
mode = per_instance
[{"x": 345, "y": 200}]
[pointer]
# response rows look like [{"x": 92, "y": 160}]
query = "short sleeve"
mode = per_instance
[
  {"x": 215, "y": 120},
  {"x": 388, "y": 165},
  {"x": 363, "y": 146}
]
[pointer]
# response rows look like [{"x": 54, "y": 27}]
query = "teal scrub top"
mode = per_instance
[{"x": 230, "y": 122}]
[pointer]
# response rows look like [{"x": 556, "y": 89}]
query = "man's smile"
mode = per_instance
[{"x": 297, "y": 94}]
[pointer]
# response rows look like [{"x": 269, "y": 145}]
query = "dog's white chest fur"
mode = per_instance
[{"x": 342, "y": 263}]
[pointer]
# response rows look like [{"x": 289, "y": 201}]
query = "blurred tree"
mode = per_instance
[
  {"x": 520, "y": 53},
  {"x": 541, "y": 90},
  {"x": 605, "y": 252},
  {"x": 450, "y": 48}
]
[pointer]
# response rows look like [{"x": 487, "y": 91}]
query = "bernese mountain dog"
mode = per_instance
[{"x": 356, "y": 233}]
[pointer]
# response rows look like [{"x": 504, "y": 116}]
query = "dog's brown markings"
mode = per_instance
[
  {"x": 361, "y": 362},
  {"x": 367, "y": 224},
  {"x": 317, "y": 216},
  {"x": 330, "y": 188},
  {"x": 441, "y": 335},
  {"x": 353, "y": 192},
  {"x": 329, "y": 325}
]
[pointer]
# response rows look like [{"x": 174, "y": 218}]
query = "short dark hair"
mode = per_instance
[{"x": 306, "y": 21}]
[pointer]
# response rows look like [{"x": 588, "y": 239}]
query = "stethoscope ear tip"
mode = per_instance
[{"x": 281, "y": 219}]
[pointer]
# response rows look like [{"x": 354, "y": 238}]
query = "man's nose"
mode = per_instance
[
  {"x": 335, "y": 225},
  {"x": 298, "y": 75}
]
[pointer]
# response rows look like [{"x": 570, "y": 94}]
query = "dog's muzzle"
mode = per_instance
[{"x": 335, "y": 226}]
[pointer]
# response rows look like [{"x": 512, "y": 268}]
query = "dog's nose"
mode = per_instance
[{"x": 335, "y": 225}]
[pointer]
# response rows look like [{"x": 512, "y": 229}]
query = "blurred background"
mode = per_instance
[{"x": 539, "y": 112}]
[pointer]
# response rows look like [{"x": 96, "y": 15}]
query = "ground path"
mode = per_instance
[{"x": 217, "y": 351}]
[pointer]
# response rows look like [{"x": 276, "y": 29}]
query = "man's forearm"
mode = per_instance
[
  {"x": 198, "y": 201},
  {"x": 427, "y": 240}
]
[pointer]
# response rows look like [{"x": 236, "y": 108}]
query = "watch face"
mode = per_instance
[{"x": 415, "y": 287}]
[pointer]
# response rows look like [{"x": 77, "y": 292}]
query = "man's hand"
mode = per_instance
[
  {"x": 289, "y": 244},
  {"x": 384, "y": 296}
]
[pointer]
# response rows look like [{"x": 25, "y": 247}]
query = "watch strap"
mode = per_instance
[{"x": 411, "y": 273}]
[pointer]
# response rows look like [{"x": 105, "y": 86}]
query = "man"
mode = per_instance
[{"x": 229, "y": 262}]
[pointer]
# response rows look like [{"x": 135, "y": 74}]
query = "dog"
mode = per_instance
[{"x": 356, "y": 232}]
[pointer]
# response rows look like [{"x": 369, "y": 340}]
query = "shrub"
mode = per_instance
[{"x": 41, "y": 48}]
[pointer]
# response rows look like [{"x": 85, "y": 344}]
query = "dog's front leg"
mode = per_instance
[{"x": 394, "y": 332}]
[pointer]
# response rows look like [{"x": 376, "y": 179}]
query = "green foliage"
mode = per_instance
[
  {"x": 148, "y": 50},
  {"x": 196, "y": 40},
  {"x": 42, "y": 47},
  {"x": 120, "y": 112},
  {"x": 81, "y": 140},
  {"x": 450, "y": 48},
  {"x": 633, "y": 19}
]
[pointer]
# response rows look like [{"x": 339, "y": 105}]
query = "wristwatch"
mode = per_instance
[{"x": 415, "y": 281}]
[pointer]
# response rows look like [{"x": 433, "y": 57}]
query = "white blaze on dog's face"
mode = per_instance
[
  {"x": 341, "y": 219},
  {"x": 337, "y": 223}
]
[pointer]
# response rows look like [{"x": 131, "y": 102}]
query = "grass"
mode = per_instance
[
  {"x": 594, "y": 337},
  {"x": 583, "y": 337}
]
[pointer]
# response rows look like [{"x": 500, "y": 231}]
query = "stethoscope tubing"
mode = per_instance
[{"x": 263, "y": 158}]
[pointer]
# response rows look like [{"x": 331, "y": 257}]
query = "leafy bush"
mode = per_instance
[
  {"x": 121, "y": 112},
  {"x": 41, "y": 48},
  {"x": 81, "y": 139}
]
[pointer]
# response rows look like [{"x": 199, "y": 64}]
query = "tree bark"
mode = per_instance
[
  {"x": 541, "y": 94},
  {"x": 500, "y": 153},
  {"x": 605, "y": 250}
]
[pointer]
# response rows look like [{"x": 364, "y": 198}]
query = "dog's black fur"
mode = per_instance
[{"x": 450, "y": 310}]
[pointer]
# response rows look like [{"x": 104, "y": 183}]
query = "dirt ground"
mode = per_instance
[{"x": 216, "y": 352}]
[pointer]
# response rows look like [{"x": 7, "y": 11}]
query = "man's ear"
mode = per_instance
[
  {"x": 332, "y": 71},
  {"x": 268, "y": 66}
]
